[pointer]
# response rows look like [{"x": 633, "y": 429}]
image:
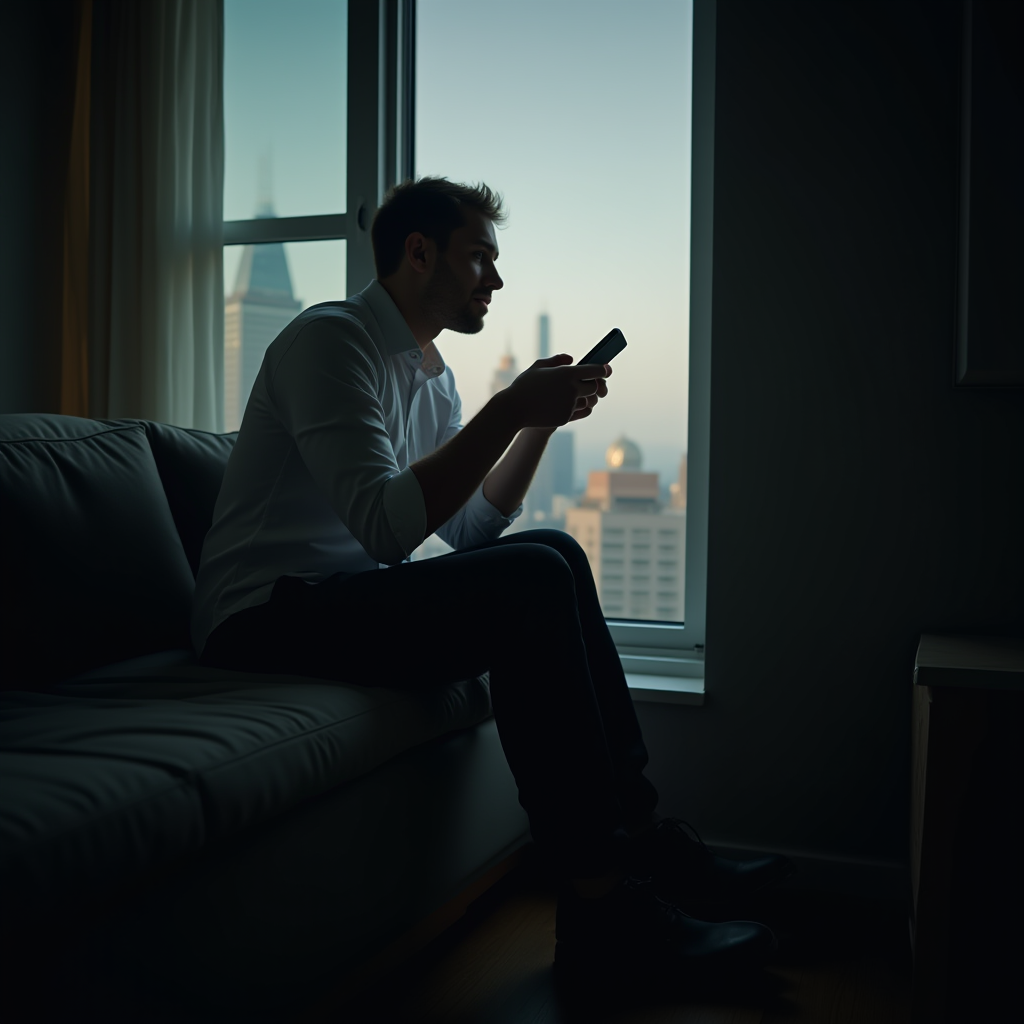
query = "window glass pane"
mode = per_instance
[
  {"x": 285, "y": 107},
  {"x": 585, "y": 129},
  {"x": 267, "y": 287}
]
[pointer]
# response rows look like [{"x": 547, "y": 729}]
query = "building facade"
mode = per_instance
[{"x": 636, "y": 547}]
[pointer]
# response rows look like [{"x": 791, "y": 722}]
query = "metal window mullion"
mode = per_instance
[
  {"x": 398, "y": 90},
  {"x": 259, "y": 231},
  {"x": 702, "y": 201},
  {"x": 407, "y": 91},
  {"x": 381, "y": 93},
  {"x": 365, "y": 18}
]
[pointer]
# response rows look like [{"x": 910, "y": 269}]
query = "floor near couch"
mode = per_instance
[{"x": 840, "y": 960}]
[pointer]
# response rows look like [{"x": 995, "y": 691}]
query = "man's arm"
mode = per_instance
[
  {"x": 545, "y": 396},
  {"x": 506, "y": 485}
]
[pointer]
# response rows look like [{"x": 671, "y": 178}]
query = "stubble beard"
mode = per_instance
[{"x": 444, "y": 302}]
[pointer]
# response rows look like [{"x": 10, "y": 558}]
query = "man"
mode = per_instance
[{"x": 351, "y": 452}]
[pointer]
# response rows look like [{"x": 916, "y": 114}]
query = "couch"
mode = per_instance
[{"x": 200, "y": 843}]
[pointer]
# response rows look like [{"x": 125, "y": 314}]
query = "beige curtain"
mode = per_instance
[
  {"x": 74, "y": 362},
  {"x": 157, "y": 162}
]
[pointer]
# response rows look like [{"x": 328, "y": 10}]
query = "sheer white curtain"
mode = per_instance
[{"x": 157, "y": 288}]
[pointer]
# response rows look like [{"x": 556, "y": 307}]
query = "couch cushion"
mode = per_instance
[
  {"x": 90, "y": 770},
  {"x": 191, "y": 465},
  {"x": 92, "y": 567}
]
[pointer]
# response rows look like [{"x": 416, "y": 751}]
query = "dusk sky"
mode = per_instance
[{"x": 578, "y": 111}]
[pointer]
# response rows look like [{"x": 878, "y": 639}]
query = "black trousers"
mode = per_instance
[{"x": 524, "y": 608}]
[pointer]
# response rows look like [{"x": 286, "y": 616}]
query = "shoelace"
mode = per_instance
[
  {"x": 643, "y": 887},
  {"x": 677, "y": 825}
]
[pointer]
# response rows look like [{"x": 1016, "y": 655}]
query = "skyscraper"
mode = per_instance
[
  {"x": 504, "y": 374},
  {"x": 543, "y": 336},
  {"x": 677, "y": 488},
  {"x": 553, "y": 480},
  {"x": 554, "y": 476},
  {"x": 636, "y": 548},
  {"x": 258, "y": 308}
]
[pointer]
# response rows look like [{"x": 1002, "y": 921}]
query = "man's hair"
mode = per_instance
[{"x": 433, "y": 206}]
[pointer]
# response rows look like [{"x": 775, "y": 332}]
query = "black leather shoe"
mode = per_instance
[
  {"x": 691, "y": 875},
  {"x": 632, "y": 934}
]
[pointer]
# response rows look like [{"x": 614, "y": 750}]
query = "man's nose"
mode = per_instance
[{"x": 494, "y": 279}]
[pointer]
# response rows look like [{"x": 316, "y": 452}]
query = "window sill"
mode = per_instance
[{"x": 665, "y": 689}]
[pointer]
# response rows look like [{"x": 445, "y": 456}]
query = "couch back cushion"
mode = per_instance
[
  {"x": 91, "y": 567},
  {"x": 191, "y": 465}
]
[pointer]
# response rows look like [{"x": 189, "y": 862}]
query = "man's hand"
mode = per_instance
[
  {"x": 547, "y": 395},
  {"x": 552, "y": 392}
]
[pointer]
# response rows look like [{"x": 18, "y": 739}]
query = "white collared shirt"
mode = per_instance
[{"x": 319, "y": 481}]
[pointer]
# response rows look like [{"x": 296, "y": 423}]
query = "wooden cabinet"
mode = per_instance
[{"x": 967, "y": 830}]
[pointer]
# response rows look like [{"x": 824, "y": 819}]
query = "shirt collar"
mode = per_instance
[{"x": 398, "y": 339}]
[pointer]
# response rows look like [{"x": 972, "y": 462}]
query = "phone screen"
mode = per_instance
[{"x": 607, "y": 348}]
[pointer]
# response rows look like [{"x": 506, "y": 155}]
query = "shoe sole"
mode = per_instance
[
  {"x": 733, "y": 907},
  {"x": 651, "y": 965}
]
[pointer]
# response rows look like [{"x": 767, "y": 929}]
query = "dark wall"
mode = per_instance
[
  {"x": 37, "y": 41},
  {"x": 857, "y": 499}
]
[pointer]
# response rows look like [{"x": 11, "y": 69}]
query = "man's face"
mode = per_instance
[{"x": 459, "y": 290}]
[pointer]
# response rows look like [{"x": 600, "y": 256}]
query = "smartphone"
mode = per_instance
[{"x": 607, "y": 348}]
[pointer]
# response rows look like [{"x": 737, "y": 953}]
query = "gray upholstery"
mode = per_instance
[
  {"x": 191, "y": 465},
  {"x": 105, "y": 779},
  {"x": 274, "y": 918},
  {"x": 92, "y": 567}
]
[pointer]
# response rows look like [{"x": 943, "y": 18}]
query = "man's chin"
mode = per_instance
[{"x": 467, "y": 325}]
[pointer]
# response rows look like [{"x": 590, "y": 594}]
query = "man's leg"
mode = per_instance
[
  {"x": 636, "y": 794},
  {"x": 510, "y": 608}
]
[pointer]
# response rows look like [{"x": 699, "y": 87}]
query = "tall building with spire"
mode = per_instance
[
  {"x": 260, "y": 305},
  {"x": 552, "y": 487},
  {"x": 543, "y": 336}
]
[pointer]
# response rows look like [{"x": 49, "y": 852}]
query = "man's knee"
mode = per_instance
[
  {"x": 538, "y": 575},
  {"x": 542, "y": 561},
  {"x": 565, "y": 544}
]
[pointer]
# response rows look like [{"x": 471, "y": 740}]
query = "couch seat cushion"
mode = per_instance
[{"x": 104, "y": 779}]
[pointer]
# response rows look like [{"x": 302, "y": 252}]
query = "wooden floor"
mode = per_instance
[{"x": 839, "y": 960}]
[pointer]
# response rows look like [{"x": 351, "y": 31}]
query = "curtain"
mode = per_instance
[
  {"x": 156, "y": 233},
  {"x": 74, "y": 361}
]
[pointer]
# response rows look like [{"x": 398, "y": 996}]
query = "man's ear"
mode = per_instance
[{"x": 419, "y": 252}]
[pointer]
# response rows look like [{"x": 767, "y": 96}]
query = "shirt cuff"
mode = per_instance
[
  {"x": 482, "y": 511},
  {"x": 406, "y": 510}
]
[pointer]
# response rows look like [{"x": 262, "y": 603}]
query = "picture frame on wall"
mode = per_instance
[{"x": 990, "y": 267}]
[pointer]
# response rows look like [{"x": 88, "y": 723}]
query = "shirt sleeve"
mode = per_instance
[
  {"x": 478, "y": 521},
  {"x": 328, "y": 389}
]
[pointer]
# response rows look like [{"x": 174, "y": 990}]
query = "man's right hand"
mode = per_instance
[
  {"x": 553, "y": 392},
  {"x": 549, "y": 394}
]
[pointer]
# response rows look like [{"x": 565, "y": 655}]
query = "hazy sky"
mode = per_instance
[{"x": 578, "y": 111}]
